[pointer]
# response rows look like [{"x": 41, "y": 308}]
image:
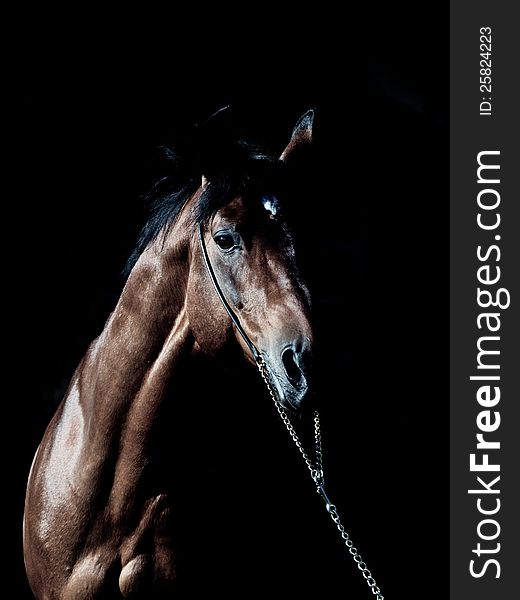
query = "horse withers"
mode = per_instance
[{"x": 100, "y": 512}]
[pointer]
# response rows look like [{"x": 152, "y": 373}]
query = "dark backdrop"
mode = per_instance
[{"x": 95, "y": 98}]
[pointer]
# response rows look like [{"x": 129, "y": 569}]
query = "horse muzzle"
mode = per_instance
[{"x": 289, "y": 373}]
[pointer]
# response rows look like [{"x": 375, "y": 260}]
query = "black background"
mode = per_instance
[{"x": 96, "y": 97}]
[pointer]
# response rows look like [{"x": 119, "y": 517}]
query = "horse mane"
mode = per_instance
[{"x": 240, "y": 169}]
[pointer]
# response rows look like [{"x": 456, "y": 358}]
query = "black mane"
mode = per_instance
[{"x": 238, "y": 170}]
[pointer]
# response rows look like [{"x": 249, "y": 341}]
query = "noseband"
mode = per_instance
[{"x": 315, "y": 466}]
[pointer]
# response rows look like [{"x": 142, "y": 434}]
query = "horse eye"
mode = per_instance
[{"x": 225, "y": 241}]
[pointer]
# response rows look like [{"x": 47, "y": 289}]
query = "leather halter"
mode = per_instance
[{"x": 232, "y": 315}]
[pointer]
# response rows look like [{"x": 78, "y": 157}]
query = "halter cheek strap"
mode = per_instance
[{"x": 232, "y": 315}]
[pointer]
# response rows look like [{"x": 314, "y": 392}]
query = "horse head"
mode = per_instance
[{"x": 251, "y": 253}]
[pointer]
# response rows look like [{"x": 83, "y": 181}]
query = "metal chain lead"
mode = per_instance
[
  {"x": 316, "y": 471},
  {"x": 316, "y": 467}
]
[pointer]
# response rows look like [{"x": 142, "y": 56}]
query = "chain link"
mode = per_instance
[
  {"x": 317, "y": 445},
  {"x": 316, "y": 471}
]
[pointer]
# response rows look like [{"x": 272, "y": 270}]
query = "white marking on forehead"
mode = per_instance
[{"x": 270, "y": 202}]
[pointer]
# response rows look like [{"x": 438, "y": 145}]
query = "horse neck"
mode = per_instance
[{"x": 127, "y": 369}]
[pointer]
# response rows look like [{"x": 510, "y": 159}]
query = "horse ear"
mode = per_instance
[
  {"x": 217, "y": 124},
  {"x": 301, "y": 136}
]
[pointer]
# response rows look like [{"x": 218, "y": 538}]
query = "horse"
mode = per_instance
[{"x": 100, "y": 511}]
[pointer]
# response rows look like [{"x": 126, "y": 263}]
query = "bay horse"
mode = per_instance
[{"x": 100, "y": 512}]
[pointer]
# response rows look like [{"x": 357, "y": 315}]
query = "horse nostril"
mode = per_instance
[{"x": 292, "y": 369}]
